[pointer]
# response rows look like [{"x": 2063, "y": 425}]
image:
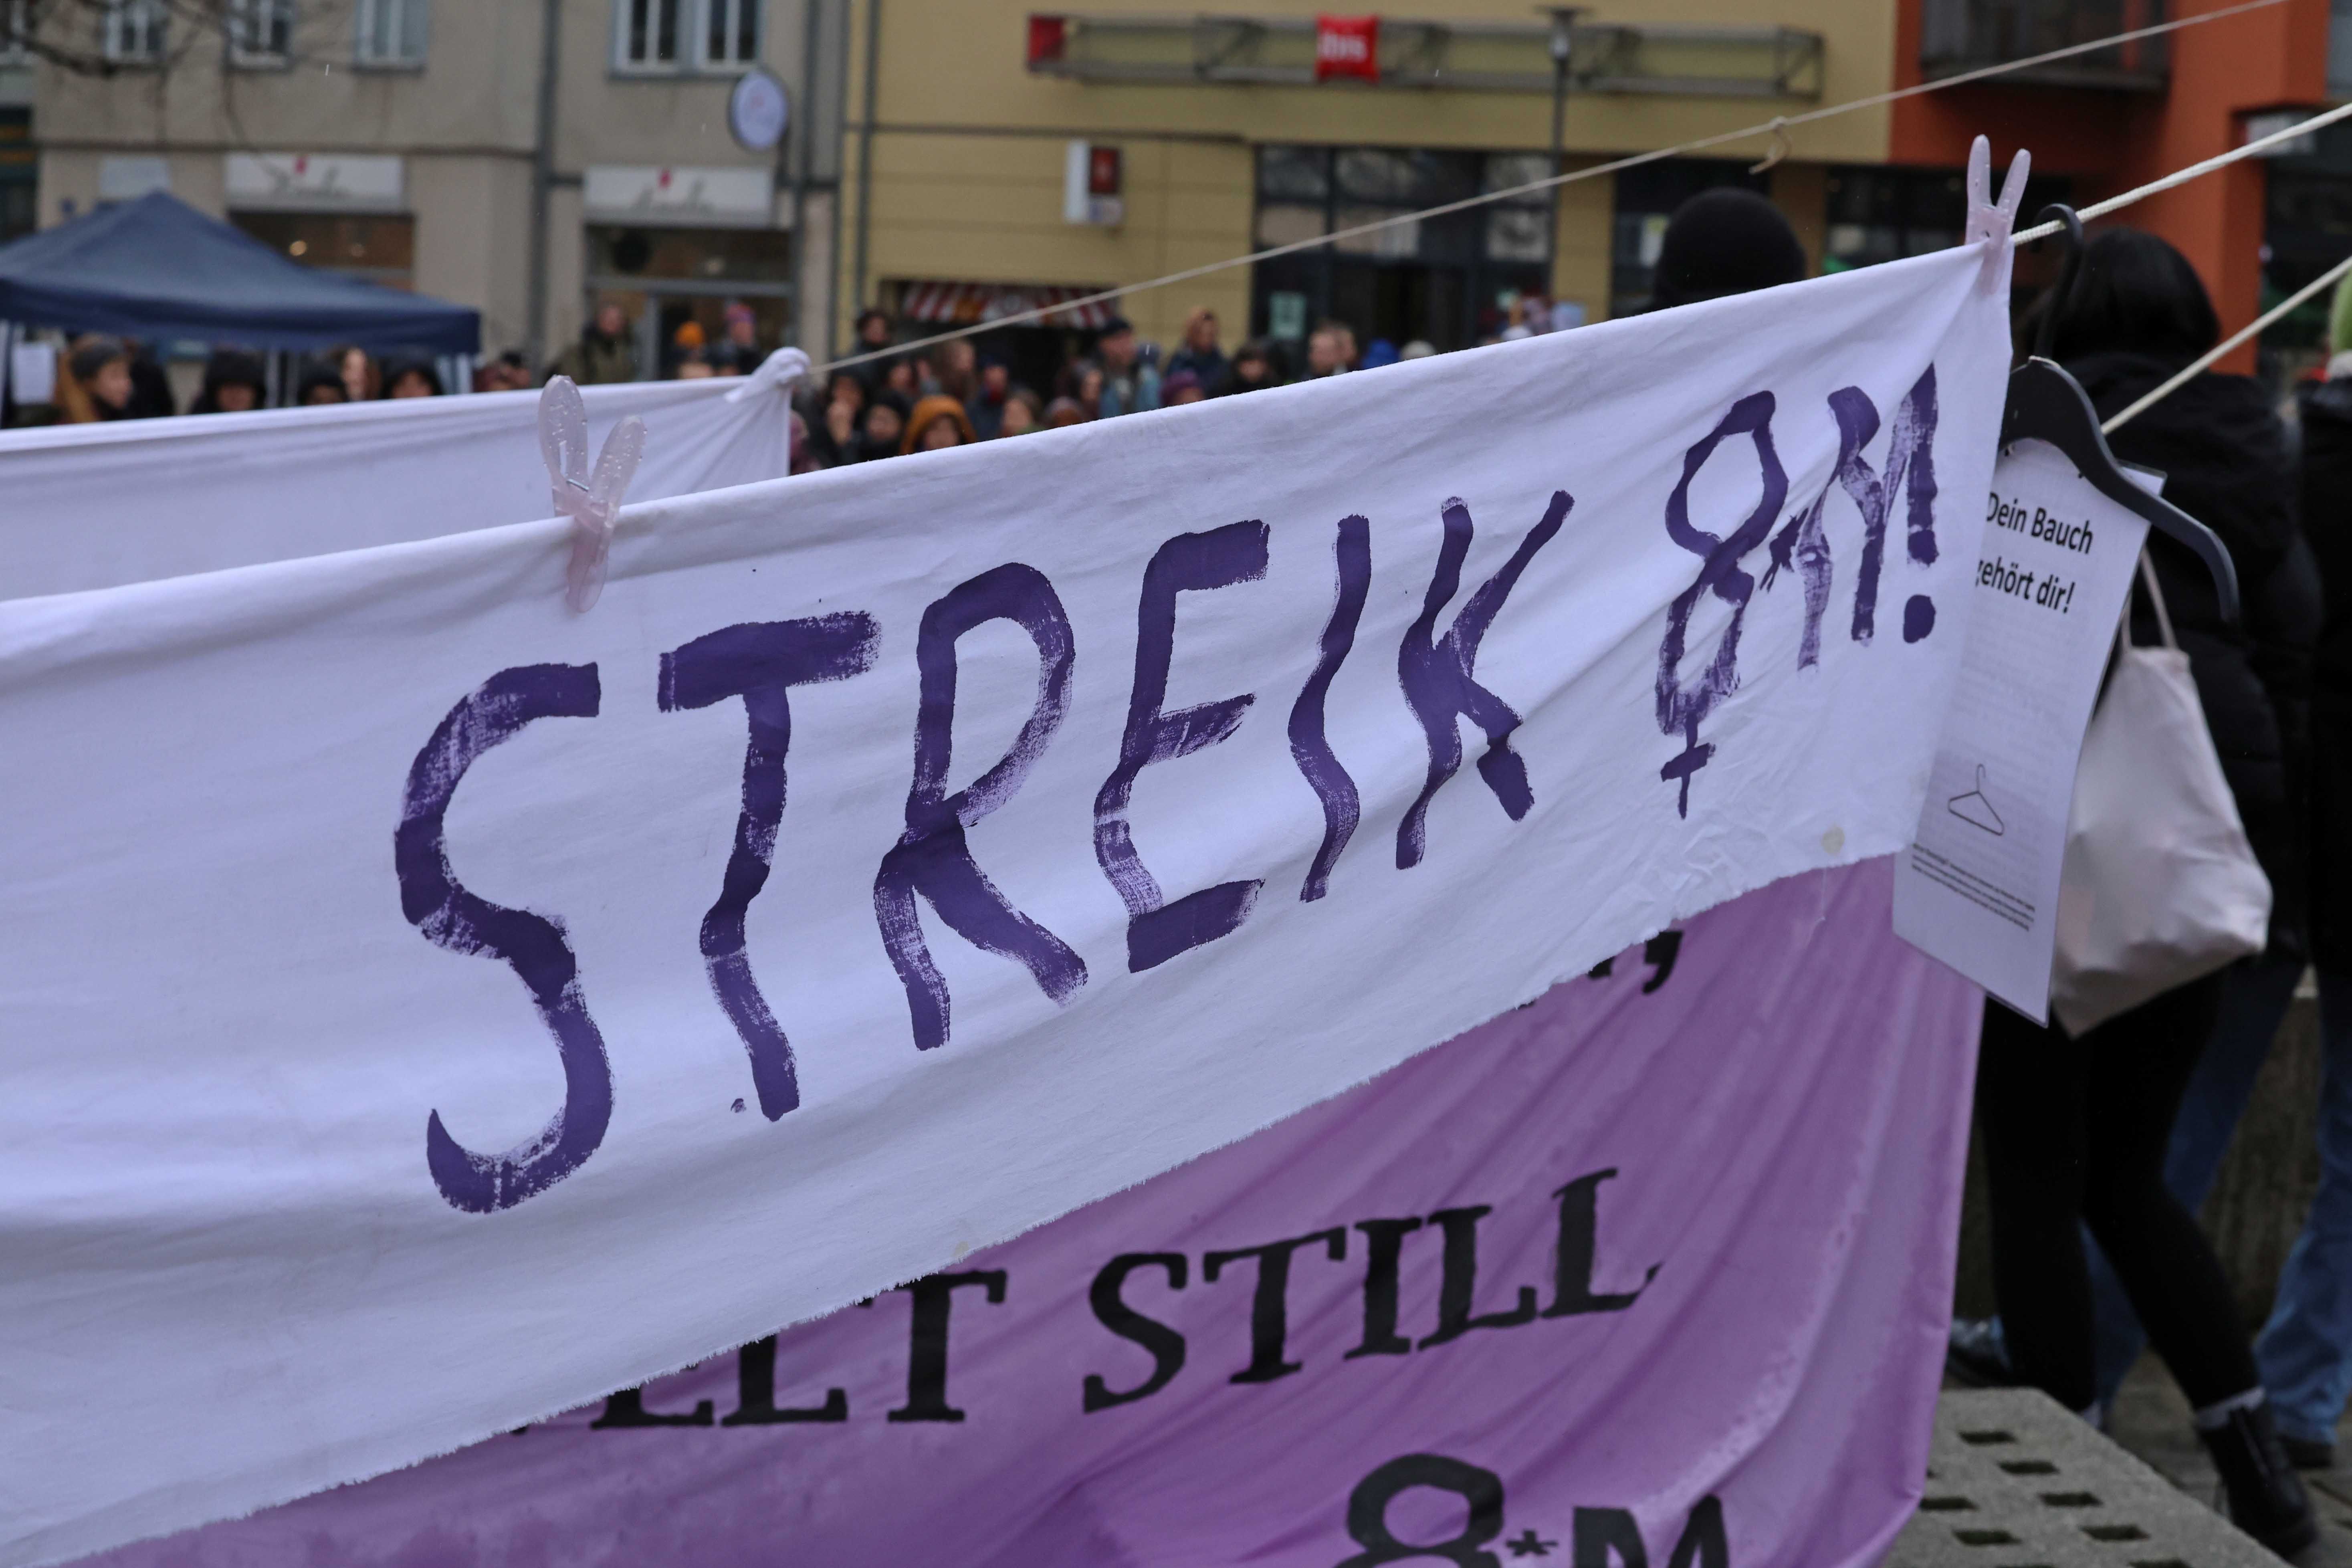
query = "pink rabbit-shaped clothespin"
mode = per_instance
[
  {"x": 1991, "y": 219},
  {"x": 592, "y": 503}
]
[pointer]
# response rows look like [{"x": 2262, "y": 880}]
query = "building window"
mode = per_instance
[
  {"x": 2339, "y": 48},
  {"x": 130, "y": 32},
  {"x": 1881, "y": 215},
  {"x": 659, "y": 36},
  {"x": 19, "y": 169},
  {"x": 649, "y": 35},
  {"x": 16, "y": 23},
  {"x": 1449, "y": 280},
  {"x": 730, "y": 32},
  {"x": 1647, "y": 198},
  {"x": 260, "y": 32},
  {"x": 391, "y": 33}
]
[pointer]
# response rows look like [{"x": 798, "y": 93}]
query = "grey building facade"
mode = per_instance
[{"x": 530, "y": 158}]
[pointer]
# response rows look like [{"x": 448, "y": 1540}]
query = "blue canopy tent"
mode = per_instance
[{"x": 157, "y": 270}]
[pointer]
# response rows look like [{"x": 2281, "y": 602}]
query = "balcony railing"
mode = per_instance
[
  {"x": 1957, "y": 36},
  {"x": 1508, "y": 57}
]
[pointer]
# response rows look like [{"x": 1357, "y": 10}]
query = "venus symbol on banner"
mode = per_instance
[{"x": 1910, "y": 468}]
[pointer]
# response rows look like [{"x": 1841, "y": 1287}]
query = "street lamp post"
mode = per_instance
[{"x": 1563, "y": 46}]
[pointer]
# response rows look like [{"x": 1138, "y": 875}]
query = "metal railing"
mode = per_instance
[{"x": 1607, "y": 57}]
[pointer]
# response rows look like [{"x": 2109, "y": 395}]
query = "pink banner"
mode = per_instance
[{"x": 1655, "y": 1269}]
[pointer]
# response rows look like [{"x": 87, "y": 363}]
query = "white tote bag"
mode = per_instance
[{"x": 2159, "y": 885}]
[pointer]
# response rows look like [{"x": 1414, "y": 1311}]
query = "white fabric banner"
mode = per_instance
[
  {"x": 96, "y": 506},
  {"x": 407, "y": 1036}
]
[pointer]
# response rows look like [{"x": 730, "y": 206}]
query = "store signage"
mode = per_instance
[
  {"x": 312, "y": 181},
  {"x": 1093, "y": 182},
  {"x": 679, "y": 195},
  {"x": 1348, "y": 47},
  {"x": 126, "y": 178}
]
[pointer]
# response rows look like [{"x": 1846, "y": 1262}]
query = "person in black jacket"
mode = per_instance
[
  {"x": 2076, "y": 1131},
  {"x": 2306, "y": 1350}
]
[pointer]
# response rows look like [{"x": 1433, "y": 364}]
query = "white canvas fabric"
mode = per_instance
[
  {"x": 429, "y": 1008},
  {"x": 96, "y": 506}
]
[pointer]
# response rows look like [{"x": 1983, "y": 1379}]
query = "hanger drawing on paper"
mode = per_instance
[{"x": 1975, "y": 808}]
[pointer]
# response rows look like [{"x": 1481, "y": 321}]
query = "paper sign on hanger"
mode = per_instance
[{"x": 1978, "y": 886}]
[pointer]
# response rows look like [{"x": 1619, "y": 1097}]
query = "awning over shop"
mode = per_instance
[
  {"x": 157, "y": 269},
  {"x": 971, "y": 304}
]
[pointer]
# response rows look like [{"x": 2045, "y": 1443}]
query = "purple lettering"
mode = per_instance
[
  {"x": 1683, "y": 708},
  {"x": 438, "y": 905},
  {"x": 1803, "y": 540},
  {"x": 1910, "y": 468},
  {"x": 1439, "y": 683},
  {"x": 760, "y": 662},
  {"x": 932, "y": 857},
  {"x": 1157, "y": 931},
  {"x": 1309, "y": 746}
]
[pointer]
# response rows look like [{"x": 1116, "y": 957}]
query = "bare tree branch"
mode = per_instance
[{"x": 110, "y": 38}]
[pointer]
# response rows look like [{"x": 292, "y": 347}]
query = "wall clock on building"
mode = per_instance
[{"x": 758, "y": 109}]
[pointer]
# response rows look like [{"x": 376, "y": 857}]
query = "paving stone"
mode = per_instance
[{"x": 2016, "y": 1482}]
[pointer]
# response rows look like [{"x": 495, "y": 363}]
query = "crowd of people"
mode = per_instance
[
  {"x": 890, "y": 403},
  {"x": 100, "y": 377}
]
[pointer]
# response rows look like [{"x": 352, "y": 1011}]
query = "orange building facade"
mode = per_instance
[{"x": 2108, "y": 122}]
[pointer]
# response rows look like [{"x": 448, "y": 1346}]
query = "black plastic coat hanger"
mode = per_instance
[{"x": 2046, "y": 403}]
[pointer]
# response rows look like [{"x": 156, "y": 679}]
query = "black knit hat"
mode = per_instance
[{"x": 1724, "y": 241}]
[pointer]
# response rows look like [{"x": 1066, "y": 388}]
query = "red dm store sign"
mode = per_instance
[{"x": 1346, "y": 47}]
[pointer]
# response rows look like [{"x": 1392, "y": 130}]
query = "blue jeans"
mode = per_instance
[{"x": 2306, "y": 1350}]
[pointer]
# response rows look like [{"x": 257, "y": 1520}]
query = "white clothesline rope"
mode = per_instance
[
  {"x": 2254, "y": 149},
  {"x": 2197, "y": 366},
  {"x": 1777, "y": 124}
]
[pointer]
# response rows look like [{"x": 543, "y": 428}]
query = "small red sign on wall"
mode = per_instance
[
  {"x": 1102, "y": 171},
  {"x": 1346, "y": 47}
]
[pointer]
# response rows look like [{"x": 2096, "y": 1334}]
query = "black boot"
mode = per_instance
[
  {"x": 2266, "y": 1497},
  {"x": 1976, "y": 1355}
]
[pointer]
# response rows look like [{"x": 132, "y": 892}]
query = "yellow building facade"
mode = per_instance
[{"x": 970, "y": 123}]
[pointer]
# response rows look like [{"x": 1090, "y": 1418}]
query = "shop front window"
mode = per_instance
[
  {"x": 1648, "y": 197},
  {"x": 380, "y": 248},
  {"x": 1881, "y": 215},
  {"x": 1878, "y": 214},
  {"x": 1449, "y": 280},
  {"x": 2306, "y": 229},
  {"x": 668, "y": 281}
]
